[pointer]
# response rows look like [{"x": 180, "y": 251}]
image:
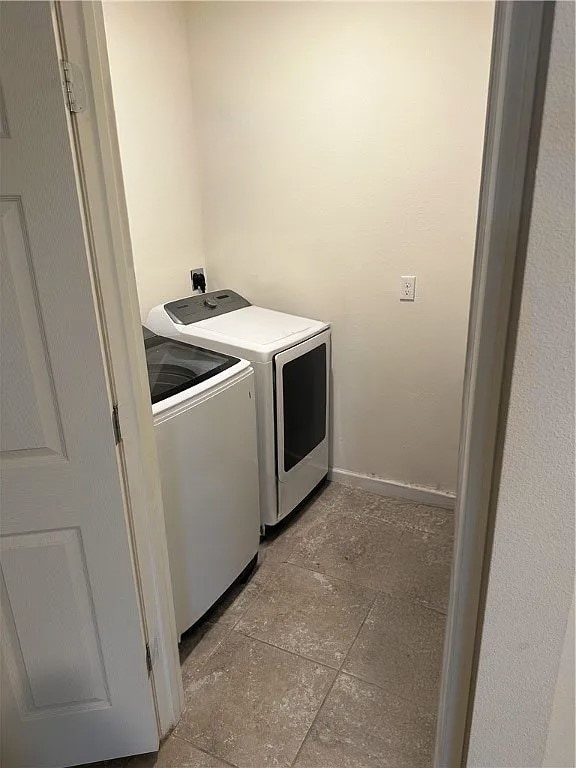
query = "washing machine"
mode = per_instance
[
  {"x": 291, "y": 360},
  {"x": 203, "y": 406}
]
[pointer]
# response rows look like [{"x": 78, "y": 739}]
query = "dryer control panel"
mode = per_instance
[{"x": 205, "y": 305}]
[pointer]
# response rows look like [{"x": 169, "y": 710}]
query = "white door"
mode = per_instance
[{"x": 75, "y": 687}]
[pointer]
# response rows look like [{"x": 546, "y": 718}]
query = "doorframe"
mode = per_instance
[
  {"x": 520, "y": 53},
  {"x": 83, "y": 41},
  {"x": 521, "y": 42}
]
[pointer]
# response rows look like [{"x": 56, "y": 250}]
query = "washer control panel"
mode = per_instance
[{"x": 205, "y": 305}]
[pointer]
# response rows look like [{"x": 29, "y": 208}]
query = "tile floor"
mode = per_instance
[{"x": 329, "y": 657}]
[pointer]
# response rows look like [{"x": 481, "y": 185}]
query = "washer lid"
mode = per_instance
[
  {"x": 174, "y": 367},
  {"x": 256, "y": 325}
]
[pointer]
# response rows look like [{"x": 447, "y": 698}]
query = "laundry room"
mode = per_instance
[{"x": 302, "y": 184}]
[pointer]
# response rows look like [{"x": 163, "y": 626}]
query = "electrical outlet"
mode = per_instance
[
  {"x": 197, "y": 271},
  {"x": 407, "y": 287}
]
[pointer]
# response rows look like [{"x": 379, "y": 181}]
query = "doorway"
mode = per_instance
[
  {"x": 167, "y": 687},
  {"x": 316, "y": 181}
]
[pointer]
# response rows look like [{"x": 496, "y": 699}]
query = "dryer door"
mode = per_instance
[{"x": 302, "y": 407}]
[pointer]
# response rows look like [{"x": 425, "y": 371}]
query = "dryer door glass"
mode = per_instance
[{"x": 304, "y": 398}]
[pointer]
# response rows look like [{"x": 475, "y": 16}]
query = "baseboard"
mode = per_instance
[{"x": 417, "y": 493}]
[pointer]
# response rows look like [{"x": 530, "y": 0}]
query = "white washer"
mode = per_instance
[
  {"x": 203, "y": 404},
  {"x": 291, "y": 360}
]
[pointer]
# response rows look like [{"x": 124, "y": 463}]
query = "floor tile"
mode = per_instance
[
  {"x": 176, "y": 753},
  {"x": 202, "y": 640},
  {"x": 253, "y": 704},
  {"x": 406, "y": 514},
  {"x": 363, "y": 726},
  {"x": 230, "y": 608},
  {"x": 419, "y": 568},
  {"x": 400, "y": 648},
  {"x": 310, "y": 614},
  {"x": 352, "y": 546},
  {"x": 198, "y": 644},
  {"x": 250, "y": 702},
  {"x": 281, "y": 539},
  {"x": 418, "y": 517},
  {"x": 279, "y": 542},
  {"x": 329, "y": 496},
  {"x": 344, "y": 498}
]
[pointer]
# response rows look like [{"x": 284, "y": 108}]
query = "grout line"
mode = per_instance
[
  {"x": 413, "y": 600},
  {"x": 224, "y": 637},
  {"x": 405, "y": 699},
  {"x": 285, "y": 650},
  {"x": 315, "y": 718},
  {"x": 407, "y": 527},
  {"x": 359, "y": 630},
  {"x": 378, "y": 591},
  {"x": 423, "y": 604},
  {"x": 331, "y": 576},
  {"x": 208, "y": 657},
  {"x": 346, "y": 581},
  {"x": 338, "y": 670},
  {"x": 205, "y": 751}
]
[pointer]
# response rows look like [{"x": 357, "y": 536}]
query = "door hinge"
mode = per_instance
[
  {"x": 151, "y": 656},
  {"x": 74, "y": 86},
  {"x": 116, "y": 424}
]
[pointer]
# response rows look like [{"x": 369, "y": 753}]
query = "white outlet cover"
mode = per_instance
[{"x": 407, "y": 287}]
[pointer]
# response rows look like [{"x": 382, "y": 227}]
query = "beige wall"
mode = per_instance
[
  {"x": 148, "y": 50},
  {"x": 340, "y": 147},
  {"x": 310, "y": 154},
  {"x": 524, "y": 706}
]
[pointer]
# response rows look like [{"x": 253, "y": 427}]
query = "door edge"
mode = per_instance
[
  {"x": 520, "y": 52},
  {"x": 83, "y": 40}
]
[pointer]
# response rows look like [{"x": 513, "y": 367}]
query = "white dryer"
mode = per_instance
[{"x": 291, "y": 360}]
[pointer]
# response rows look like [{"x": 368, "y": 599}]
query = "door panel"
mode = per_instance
[
  {"x": 47, "y": 586},
  {"x": 301, "y": 402},
  {"x": 304, "y": 397},
  {"x": 75, "y": 687},
  {"x": 30, "y": 416}
]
